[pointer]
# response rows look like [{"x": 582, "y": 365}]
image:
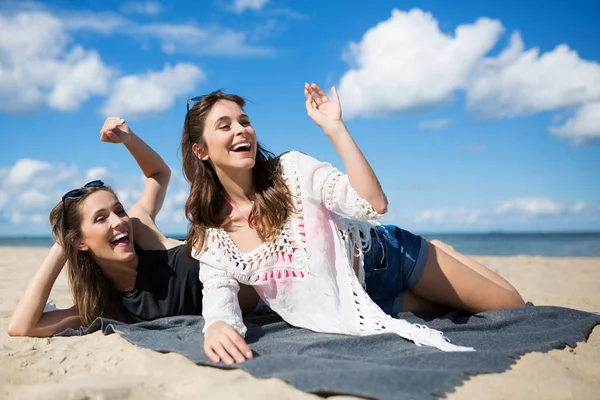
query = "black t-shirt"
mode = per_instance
[{"x": 167, "y": 285}]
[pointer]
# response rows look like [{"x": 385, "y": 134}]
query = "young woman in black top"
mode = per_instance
[{"x": 119, "y": 263}]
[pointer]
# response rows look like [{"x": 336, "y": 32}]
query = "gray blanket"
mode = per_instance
[{"x": 381, "y": 366}]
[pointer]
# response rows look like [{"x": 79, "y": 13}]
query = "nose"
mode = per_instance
[
  {"x": 116, "y": 221},
  {"x": 238, "y": 128}
]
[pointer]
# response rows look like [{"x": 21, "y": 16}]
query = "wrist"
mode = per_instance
[
  {"x": 131, "y": 138},
  {"x": 335, "y": 129}
]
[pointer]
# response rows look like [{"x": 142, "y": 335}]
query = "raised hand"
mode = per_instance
[
  {"x": 115, "y": 130},
  {"x": 223, "y": 343},
  {"x": 325, "y": 112}
]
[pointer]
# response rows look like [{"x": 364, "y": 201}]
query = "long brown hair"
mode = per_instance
[
  {"x": 93, "y": 293},
  {"x": 273, "y": 202}
]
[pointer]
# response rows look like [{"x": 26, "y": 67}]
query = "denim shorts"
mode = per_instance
[{"x": 394, "y": 263}]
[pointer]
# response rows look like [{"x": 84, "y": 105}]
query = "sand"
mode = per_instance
[{"x": 107, "y": 367}]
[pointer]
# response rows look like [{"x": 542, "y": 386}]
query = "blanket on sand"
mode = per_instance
[{"x": 381, "y": 366}]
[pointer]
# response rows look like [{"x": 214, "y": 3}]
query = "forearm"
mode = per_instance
[
  {"x": 30, "y": 308},
  {"x": 53, "y": 322},
  {"x": 221, "y": 304},
  {"x": 360, "y": 174},
  {"x": 148, "y": 160}
]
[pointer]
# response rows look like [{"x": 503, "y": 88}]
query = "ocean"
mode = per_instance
[{"x": 564, "y": 244}]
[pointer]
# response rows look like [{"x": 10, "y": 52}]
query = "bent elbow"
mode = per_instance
[
  {"x": 381, "y": 210},
  {"x": 16, "y": 330},
  {"x": 381, "y": 206}
]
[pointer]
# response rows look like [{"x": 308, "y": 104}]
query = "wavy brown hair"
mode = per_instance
[
  {"x": 93, "y": 293},
  {"x": 273, "y": 202}
]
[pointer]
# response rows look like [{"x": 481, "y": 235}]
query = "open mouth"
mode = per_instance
[
  {"x": 243, "y": 147},
  {"x": 120, "y": 240}
]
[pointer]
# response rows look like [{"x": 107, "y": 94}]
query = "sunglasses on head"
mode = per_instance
[
  {"x": 75, "y": 193},
  {"x": 187, "y": 116}
]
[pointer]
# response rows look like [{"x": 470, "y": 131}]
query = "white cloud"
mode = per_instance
[
  {"x": 38, "y": 66},
  {"x": 38, "y": 218},
  {"x": 19, "y": 218},
  {"x": 142, "y": 7},
  {"x": 34, "y": 199},
  {"x": 407, "y": 63},
  {"x": 30, "y": 188},
  {"x": 97, "y": 173},
  {"x": 41, "y": 65},
  {"x": 191, "y": 39},
  {"x": 31, "y": 185},
  {"x": 181, "y": 196},
  {"x": 35, "y": 173},
  {"x": 134, "y": 95},
  {"x": 86, "y": 76},
  {"x": 239, "y": 6},
  {"x": 530, "y": 206},
  {"x": 24, "y": 170},
  {"x": 578, "y": 207},
  {"x": 174, "y": 38},
  {"x": 444, "y": 216},
  {"x": 584, "y": 126},
  {"x": 4, "y": 199},
  {"x": 102, "y": 22},
  {"x": 435, "y": 124},
  {"x": 520, "y": 212},
  {"x": 16, "y": 218},
  {"x": 519, "y": 82},
  {"x": 129, "y": 195}
]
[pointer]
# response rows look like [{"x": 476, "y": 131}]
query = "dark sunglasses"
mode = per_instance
[
  {"x": 75, "y": 193},
  {"x": 187, "y": 116}
]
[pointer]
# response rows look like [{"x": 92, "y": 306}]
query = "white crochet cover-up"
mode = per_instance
[{"x": 306, "y": 274}]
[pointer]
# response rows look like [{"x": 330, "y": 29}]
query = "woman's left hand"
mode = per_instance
[{"x": 326, "y": 113}]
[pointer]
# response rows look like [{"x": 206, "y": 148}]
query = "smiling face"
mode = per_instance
[
  {"x": 230, "y": 140},
  {"x": 106, "y": 229}
]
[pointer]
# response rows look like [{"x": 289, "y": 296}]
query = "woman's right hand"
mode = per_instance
[
  {"x": 115, "y": 130},
  {"x": 223, "y": 343}
]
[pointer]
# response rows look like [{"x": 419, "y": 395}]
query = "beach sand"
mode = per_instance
[{"x": 107, "y": 367}]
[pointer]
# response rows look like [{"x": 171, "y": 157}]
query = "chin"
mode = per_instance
[
  {"x": 248, "y": 164},
  {"x": 124, "y": 252}
]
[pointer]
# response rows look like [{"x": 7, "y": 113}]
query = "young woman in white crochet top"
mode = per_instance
[{"x": 305, "y": 237}]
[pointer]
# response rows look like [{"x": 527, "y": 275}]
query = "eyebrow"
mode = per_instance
[
  {"x": 97, "y": 212},
  {"x": 225, "y": 117},
  {"x": 101, "y": 210}
]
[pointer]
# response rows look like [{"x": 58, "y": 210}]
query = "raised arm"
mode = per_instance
[
  {"x": 157, "y": 173},
  {"x": 29, "y": 318},
  {"x": 327, "y": 114}
]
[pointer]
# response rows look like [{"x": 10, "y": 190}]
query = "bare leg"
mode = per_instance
[
  {"x": 448, "y": 281},
  {"x": 413, "y": 303},
  {"x": 474, "y": 265}
]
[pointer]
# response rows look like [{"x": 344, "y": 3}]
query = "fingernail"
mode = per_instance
[{"x": 249, "y": 354}]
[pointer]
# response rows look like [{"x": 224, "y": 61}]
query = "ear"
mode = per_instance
[
  {"x": 199, "y": 152},
  {"x": 81, "y": 246}
]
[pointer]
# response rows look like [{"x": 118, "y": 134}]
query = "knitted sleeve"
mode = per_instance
[
  {"x": 220, "y": 298},
  {"x": 322, "y": 182}
]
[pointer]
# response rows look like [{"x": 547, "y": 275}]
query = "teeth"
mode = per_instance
[
  {"x": 240, "y": 145},
  {"x": 119, "y": 236}
]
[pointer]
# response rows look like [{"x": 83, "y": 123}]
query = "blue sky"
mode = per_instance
[{"x": 476, "y": 116}]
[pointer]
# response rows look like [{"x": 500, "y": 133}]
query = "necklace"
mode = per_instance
[{"x": 240, "y": 212}]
